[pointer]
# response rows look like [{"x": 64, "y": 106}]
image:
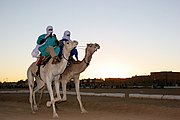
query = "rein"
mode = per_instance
[
  {"x": 87, "y": 63},
  {"x": 64, "y": 57}
]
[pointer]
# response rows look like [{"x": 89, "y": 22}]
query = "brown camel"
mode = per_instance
[{"x": 74, "y": 70}]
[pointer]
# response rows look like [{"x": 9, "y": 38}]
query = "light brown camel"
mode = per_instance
[
  {"x": 49, "y": 73},
  {"x": 73, "y": 72}
]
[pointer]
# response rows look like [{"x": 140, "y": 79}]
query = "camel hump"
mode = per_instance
[{"x": 71, "y": 60}]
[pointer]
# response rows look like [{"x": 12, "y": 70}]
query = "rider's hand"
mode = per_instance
[{"x": 48, "y": 35}]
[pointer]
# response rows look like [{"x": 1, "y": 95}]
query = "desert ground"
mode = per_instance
[{"x": 16, "y": 107}]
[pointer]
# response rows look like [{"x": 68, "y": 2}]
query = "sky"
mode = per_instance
[{"x": 136, "y": 36}]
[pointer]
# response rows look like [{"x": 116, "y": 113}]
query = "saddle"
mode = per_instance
[{"x": 42, "y": 61}]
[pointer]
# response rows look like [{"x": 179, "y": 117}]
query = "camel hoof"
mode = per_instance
[
  {"x": 63, "y": 100},
  {"x": 33, "y": 112},
  {"x": 55, "y": 115},
  {"x": 35, "y": 107},
  {"x": 48, "y": 104},
  {"x": 84, "y": 111}
]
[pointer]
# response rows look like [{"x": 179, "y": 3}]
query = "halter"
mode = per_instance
[
  {"x": 87, "y": 63},
  {"x": 64, "y": 57}
]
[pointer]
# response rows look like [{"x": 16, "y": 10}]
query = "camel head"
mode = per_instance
[
  {"x": 91, "y": 48},
  {"x": 69, "y": 45}
]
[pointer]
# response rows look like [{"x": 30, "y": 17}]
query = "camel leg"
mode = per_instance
[
  {"x": 57, "y": 92},
  {"x": 64, "y": 83},
  {"x": 41, "y": 94},
  {"x": 56, "y": 82},
  {"x": 31, "y": 86},
  {"x": 40, "y": 84},
  {"x": 76, "y": 80},
  {"x": 49, "y": 87}
]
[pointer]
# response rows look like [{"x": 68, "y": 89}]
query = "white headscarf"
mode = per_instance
[
  {"x": 49, "y": 30},
  {"x": 67, "y": 35}
]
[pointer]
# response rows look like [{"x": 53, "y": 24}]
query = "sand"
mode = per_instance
[{"x": 17, "y": 107}]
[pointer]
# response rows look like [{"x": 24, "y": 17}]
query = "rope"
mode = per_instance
[
  {"x": 64, "y": 57},
  {"x": 81, "y": 46}
]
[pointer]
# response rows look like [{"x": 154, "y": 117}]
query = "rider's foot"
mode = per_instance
[{"x": 56, "y": 59}]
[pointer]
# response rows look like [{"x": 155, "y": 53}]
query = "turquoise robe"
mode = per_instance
[{"x": 50, "y": 41}]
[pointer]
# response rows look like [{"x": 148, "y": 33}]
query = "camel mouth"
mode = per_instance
[
  {"x": 97, "y": 48},
  {"x": 97, "y": 45},
  {"x": 75, "y": 43}
]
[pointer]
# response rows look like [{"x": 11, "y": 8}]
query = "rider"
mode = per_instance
[
  {"x": 48, "y": 46},
  {"x": 66, "y": 37}
]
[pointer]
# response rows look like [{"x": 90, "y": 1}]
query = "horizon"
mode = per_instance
[{"x": 6, "y": 79}]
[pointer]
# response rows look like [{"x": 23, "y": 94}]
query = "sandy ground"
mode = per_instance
[{"x": 17, "y": 107}]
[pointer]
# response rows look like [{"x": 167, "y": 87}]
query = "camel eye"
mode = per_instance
[
  {"x": 90, "y": 46},
  {"x": 67, "y": 42}
]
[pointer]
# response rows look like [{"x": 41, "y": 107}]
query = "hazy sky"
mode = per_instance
[{"x": 136, "y": 36}]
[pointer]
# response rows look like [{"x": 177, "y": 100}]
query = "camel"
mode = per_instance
[
  {"x": 48, "y": 73},
  {"x": 73, "y": 72}
]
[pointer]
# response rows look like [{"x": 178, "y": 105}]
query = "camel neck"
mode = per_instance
[
  {"x": 65, "y": 54},
  {"x": 87, "y": 63},
  {"x": 60, "y": 67},
  {"x": 63, "y": 57},
  {"x": 87, "y": 58}
]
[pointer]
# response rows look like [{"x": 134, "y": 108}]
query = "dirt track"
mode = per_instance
[{"x": 17, "y": 107}]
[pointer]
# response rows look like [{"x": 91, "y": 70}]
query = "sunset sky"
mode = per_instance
[{"x": 136, "y": 36}]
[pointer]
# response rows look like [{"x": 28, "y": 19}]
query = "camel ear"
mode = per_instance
[{"x": 64, "y": 42}]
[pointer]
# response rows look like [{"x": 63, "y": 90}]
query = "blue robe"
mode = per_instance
[{"x": 73, "y": 52}]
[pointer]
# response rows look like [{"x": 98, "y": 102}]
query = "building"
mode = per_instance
[
  {"x": 166, "y": 78},
  {"x": 115, "y": 83},
  {"x": 91, "y": 83}
]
